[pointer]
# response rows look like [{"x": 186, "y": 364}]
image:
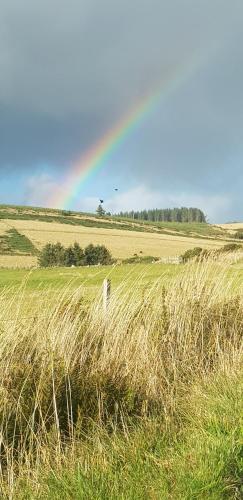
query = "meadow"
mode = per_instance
[
  {"x": 34, "y": 214},
  {"x": 25, "y": 230},
  {"x": 143, "y": 401},
  {"x": 31, "y": 237}
]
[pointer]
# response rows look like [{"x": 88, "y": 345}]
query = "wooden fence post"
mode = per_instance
[{"x": 106, "y": 294}]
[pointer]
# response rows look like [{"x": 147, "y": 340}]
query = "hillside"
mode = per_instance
[
  {"x": 231, "y": 227},
  {"x": 25, "y": 230}
]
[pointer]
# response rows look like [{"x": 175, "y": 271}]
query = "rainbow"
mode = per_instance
[{"x": 92, "y": 160}]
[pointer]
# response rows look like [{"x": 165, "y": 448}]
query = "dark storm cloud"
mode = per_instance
[
  {"x": 68, "y": 69},
  {"x": 35, "y": 138}
]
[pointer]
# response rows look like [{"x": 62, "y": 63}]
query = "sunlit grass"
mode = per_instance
[{"x": 142, "y": 401}]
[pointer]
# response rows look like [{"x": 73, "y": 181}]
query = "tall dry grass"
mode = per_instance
[{"x": 67, "y": 368}]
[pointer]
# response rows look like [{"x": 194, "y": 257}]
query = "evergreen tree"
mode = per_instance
[
  {"x": 100, "y": 211},
  {"x": 78, "y": 254},
  {"x": 59, "y": 251},
  {"x": 182, "y": 214},
  {"x": 52, "y": 255},
  {"x": 97, "y": 254},
  {"x": 56, "y": 255},
  {"x": 69, "y": 257}
]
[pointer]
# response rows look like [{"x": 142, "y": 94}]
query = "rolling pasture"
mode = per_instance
[
  {"x": 138, "y": 401},
  {"x": 231, "y": 227},
  {"x": 24, "y": 232},
  {"x": 121, "y": 243}
]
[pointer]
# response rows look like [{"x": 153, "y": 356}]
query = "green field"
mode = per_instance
[
  {"x": 89, "y": 277},
  {"x": 30, "y": 292},
  {"x": 43, "y": 289},
  {"x": 142, "y": 402},
  {"x": 139, "y": 401},
  {"x": 86, "y": 276}
]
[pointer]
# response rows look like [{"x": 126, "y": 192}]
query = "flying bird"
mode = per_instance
[
  {"x": 116, "y": 189},
  {"x": 101, "y": 201}
]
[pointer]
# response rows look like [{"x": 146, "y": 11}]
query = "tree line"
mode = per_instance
[
  {"x": 53, "y": 255},
  {"x": 182, "y": 214}
]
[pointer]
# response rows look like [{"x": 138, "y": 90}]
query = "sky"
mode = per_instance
[{"x": 70, "y": 70}]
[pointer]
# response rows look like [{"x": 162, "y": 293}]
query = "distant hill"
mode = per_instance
[{"x": 25, "y": 230}]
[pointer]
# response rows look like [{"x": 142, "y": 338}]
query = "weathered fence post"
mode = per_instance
[{"x": 106, "y": 294}]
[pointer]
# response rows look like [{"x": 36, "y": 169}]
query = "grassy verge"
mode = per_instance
[
  {"x": 143, "y": 401},
  {"x": 199, "y": 459}
]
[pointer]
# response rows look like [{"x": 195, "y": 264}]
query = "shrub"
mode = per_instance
[
  {"x": 97, "y": 254},
  {"x": 69, "y": 257},
  {"x": 66, "y": 213},
  {"x": 52, "y": 255},
  {"x": 192, "y": 254},
  {"x": 74, "y": 256},
  {"x": 239, "y": 234},
  {"x": 138, "y": 259},
  {"x": 198, "y": 253},
  {"x": 78, "y": 254},
  {"x": 230, "y": 247},
  {"x": 56, "y": 255}
]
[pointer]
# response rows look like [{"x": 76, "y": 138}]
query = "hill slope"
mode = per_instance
[{"x": 25, "y": 230}]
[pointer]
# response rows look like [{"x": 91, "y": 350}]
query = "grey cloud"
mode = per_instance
[
  {"x": 59, "y": 57},
  {"x": 29, "y": 138},
  {"x": 69, "y": 69}
]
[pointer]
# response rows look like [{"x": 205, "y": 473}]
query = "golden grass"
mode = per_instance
[
  {"x": 231, "y": 228},
  {"x": 3, "y": 227},
  {"x": 72, "y": 366},
  {"x": 121, "y": 243},
  {"x": 18, "y": 261}
]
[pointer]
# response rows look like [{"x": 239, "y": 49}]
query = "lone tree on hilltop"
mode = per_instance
[{"x": 100, "y": 211}]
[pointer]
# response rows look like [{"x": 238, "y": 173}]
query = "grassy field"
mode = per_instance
[
  {"x": 112, "y": 222},
  {"x": 25, "y": 230},
  {"x": 17, "y": 261},
  {"x": 91, "y": 276},
  {"x": 121, "y": 243},
  {"x": 188, "y": 229},
  {"x": 231, "y": 228},
  {"x": 41, "y": 288},
  {"x": 141, "y": 402}
]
